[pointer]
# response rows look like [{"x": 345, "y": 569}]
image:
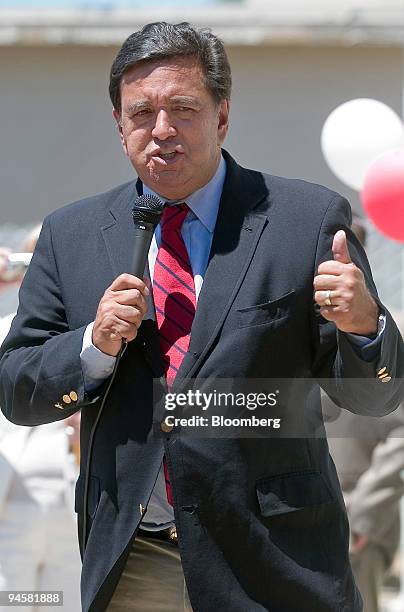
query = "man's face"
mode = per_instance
[{"x": 171, "y": 129}]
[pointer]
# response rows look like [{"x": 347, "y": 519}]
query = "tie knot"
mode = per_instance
[{"x": 173, "y": 217}]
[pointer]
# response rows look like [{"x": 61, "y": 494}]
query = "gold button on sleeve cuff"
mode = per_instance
[{"x": 166, "y": 427}]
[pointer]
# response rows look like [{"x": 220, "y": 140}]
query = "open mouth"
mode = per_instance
[{"x": 167, "y": 156}]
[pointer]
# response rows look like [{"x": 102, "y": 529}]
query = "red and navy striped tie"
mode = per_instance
[{"x": 174, "y": 297}]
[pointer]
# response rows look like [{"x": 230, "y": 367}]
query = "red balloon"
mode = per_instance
[{"x": 383, "y": 194}]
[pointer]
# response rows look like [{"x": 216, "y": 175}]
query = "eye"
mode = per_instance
[
  {"x": 184, "y": 109},
  {"x": 141, "y": 113}
]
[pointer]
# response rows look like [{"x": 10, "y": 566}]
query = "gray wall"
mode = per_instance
[
  {"x": 282, "y": 97},
  {"x": 59, "y": 142}
]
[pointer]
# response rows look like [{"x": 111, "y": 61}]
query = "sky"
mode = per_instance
[{"x": 104, "y": 4}]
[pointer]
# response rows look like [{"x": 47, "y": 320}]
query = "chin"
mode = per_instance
[{"x": 168, "y": 186}]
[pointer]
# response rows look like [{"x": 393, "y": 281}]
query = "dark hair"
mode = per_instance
[{"x": 163, "y": 40}]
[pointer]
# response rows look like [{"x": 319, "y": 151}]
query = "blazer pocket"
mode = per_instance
[
  {"x": 269, "y": 312},
  {"x": 292, "y": 492}
]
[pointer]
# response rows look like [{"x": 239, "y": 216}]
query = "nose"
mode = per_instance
[{"x": 163, "y": 127}]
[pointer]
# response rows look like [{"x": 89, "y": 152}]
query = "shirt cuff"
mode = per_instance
[
  {"x": 96, "y": 365},
  {"x": 368, "y": 348}
]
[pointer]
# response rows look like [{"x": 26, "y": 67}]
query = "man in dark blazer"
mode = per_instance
[{"x": 261, "y": 522}]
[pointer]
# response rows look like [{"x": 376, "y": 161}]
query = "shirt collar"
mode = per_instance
[{"x": 204, "y": 203}]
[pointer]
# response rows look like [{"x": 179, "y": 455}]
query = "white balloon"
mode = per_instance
[{"x": 355, "y": 134}]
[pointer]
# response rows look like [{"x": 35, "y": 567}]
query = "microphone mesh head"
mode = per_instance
[{"x": 147, "y": 209}]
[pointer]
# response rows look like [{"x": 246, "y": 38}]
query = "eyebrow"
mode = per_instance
[
  {"x": 133, "y": 107},
  {"x": 186, "y": 100},
  {"x": 139, "y": 105}
]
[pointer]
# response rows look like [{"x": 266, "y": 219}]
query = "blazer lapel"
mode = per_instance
[
  {"x": 118, "y": 232},
  {"x": 237, "y": 232}
]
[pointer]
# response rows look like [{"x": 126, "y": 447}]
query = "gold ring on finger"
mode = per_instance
[{"x": 327, "y": 300}]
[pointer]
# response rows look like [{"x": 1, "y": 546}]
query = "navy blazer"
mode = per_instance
[{"x": 261, "y": 522}]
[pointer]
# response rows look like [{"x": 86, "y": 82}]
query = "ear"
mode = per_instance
[
  {"x": 223, "y": 116},
  {"x": 117, "y": 116}
]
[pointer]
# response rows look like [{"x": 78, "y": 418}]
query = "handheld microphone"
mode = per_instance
[{"x": 146, "y": 214}]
